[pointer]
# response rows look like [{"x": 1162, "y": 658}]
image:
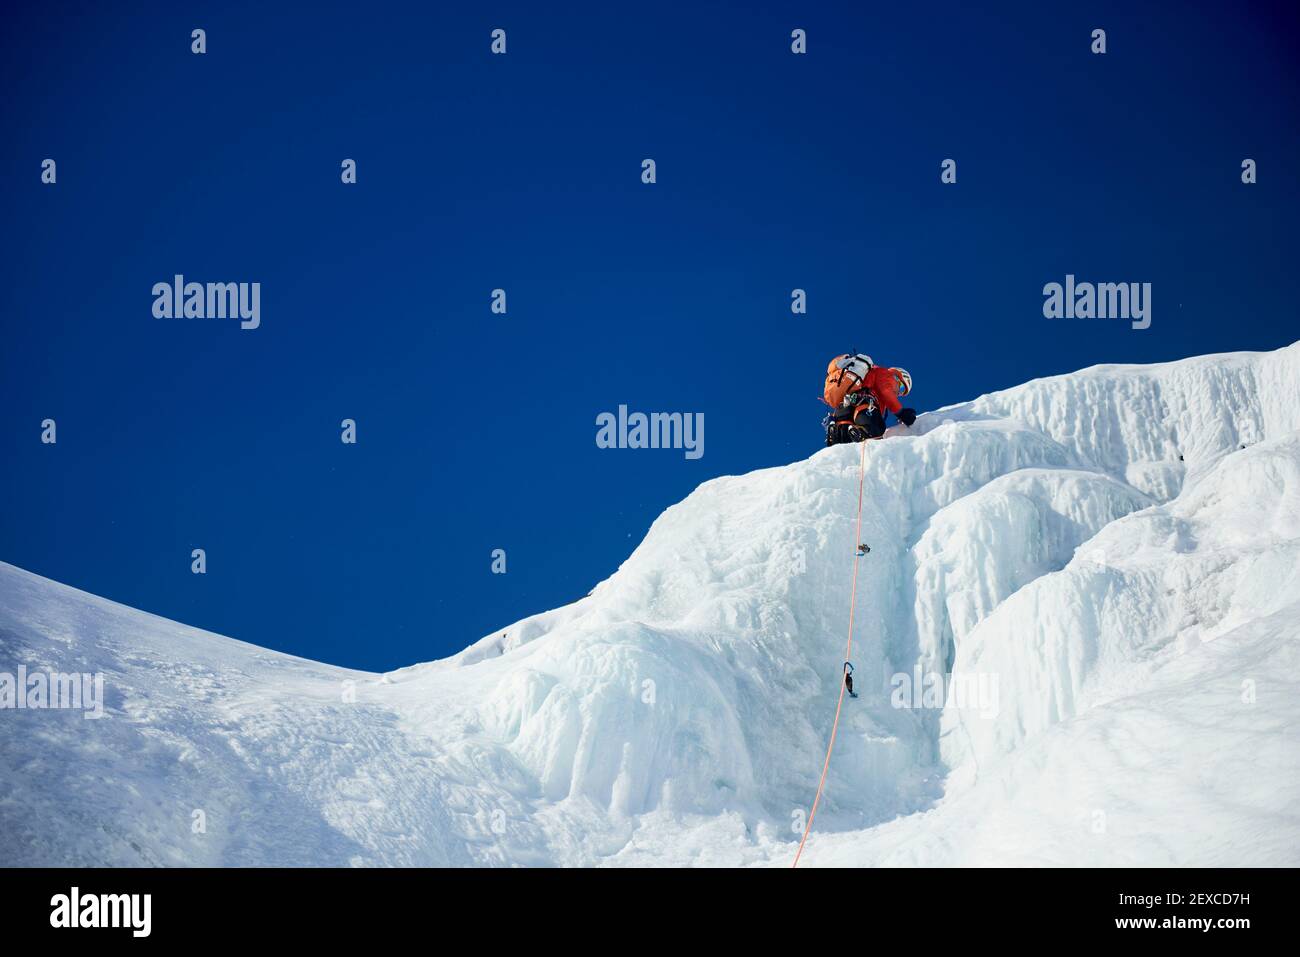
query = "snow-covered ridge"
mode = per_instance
[{"x": 1115, "y": 551}]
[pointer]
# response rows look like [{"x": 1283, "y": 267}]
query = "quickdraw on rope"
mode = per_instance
[{"x": 848, "y": 653}]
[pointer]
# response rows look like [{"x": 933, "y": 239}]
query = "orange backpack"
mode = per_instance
[{"x": 843, "y": 374}]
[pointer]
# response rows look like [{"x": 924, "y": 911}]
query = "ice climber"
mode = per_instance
[{"x": 860, "y": 394}]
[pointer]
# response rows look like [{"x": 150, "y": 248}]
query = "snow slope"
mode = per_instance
[{"x": 1108, "y": 563}]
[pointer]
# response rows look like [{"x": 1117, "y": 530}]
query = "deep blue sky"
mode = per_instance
[{"x": 477, "y": 171}]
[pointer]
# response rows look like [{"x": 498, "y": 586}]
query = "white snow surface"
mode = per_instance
[{"x": 1108, "y": 562}]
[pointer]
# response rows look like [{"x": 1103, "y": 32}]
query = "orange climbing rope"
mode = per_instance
[{"x": 848, "y": 653}]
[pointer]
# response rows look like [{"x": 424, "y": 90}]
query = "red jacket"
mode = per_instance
[{"x": 883, "y": 384}]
